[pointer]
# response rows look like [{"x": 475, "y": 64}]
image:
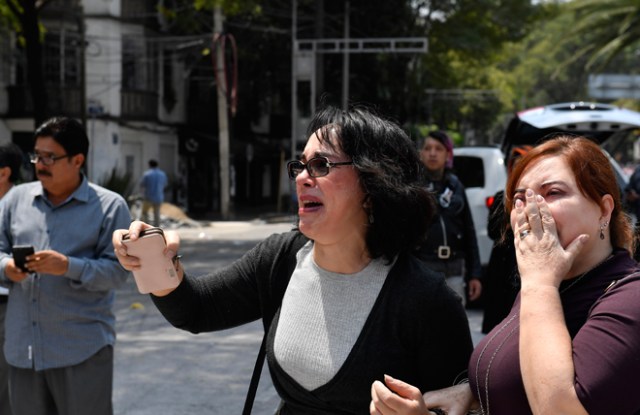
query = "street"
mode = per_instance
[{"x": 163, "y": 370}]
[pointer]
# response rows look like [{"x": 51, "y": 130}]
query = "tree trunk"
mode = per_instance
[{"x": 35, "y": 69}]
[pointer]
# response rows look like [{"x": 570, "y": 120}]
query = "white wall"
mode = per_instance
[
  {"x": 103, "y": 55},
  {"x": 104, "y": 63},
  {"x": 102, "y": 7},
  {"x": 5, "y": 133},
  {"x": 104, "y": 148},
  {"x": 128, "y": 149},
  {"x": 147, "y": 142},
  {"x": 178, "y": 112}
]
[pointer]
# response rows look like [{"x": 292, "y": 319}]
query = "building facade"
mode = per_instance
[{"x": 142, "y": 94}]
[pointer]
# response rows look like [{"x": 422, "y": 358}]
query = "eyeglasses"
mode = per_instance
[
  {"x": 46, "y": 160},
  {"x": 317, "y": 167}
]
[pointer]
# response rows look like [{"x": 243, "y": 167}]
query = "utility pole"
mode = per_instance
[
  {"x": 223, "y": 121},
  {"x": 345, "y": 59},
  {"x": 294, "y": 81}
]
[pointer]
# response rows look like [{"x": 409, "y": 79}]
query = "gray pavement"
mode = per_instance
[{"x": 162, "y": 370}]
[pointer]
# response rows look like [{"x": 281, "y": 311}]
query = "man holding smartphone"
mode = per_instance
[
  {"x": 10, "y": 163},
  {"x": 59, "y": 324}
]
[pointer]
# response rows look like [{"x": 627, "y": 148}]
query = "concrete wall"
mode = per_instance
[
  {"x": 102, "y": 7},
  {"x": 128, "y": 149}
]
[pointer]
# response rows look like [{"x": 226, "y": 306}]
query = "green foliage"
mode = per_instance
[
  {"x": 486, "y": 58},
  {"x": 468, "y": 40},
  {"x": 605, "y": 27},
  {"x": 229, "y": 7},
  {"x": 120, "y": 183},
  {"x": 8, "y": 19},
  {"x": 419, "y": 131},
  {"x": 195, "y": 16},
  {"x": 531, "y": 71},
  {"x": 629, "y": 103}
]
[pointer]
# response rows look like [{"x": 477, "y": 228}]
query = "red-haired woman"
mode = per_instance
[{"x": 570, "y": 344}]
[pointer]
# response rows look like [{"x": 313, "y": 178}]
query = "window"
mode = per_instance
[
  {"x": 5, "y": 56},
  {"x": 62, "y": 58},
  {"x": 470, "y": 171},
  {"x": 139, "y": 64}
]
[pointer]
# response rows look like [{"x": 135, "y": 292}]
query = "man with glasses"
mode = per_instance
[{"x": 59, "y": 324}]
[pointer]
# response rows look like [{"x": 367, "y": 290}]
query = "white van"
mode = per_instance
[{"x": 482, "y": 172}]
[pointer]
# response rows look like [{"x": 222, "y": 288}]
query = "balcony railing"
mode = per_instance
[
  {"x": 138, "y": 9},
  {"x": 136, "y": 105},
  {"x": 139, "y": 105},
  {"x": 60, "y": 101}
]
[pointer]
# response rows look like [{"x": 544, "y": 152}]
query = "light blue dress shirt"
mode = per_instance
[{"x": 59, "y": 321}]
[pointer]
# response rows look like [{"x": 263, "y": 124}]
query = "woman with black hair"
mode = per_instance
[{"x": 342, "y": 298}]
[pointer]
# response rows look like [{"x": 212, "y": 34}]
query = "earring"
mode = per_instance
[
  {"x": 368, "y": 209},
  {"x": 604, "y": 225}
]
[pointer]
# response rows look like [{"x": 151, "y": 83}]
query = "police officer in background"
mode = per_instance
[{"x": 451, "y": 246}]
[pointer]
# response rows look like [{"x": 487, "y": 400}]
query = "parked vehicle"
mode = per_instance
[
  {"x": 601, "y": 122},
  {"x": 482, "y": 172}
]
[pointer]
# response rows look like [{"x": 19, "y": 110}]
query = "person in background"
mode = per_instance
[
  {"x": 500, "y": 283},
  {"x": 342, "y": 297},
  {"x": 59, "y": 324},
  {"x": 632, "y": 198},
  {"x": 451, "y": 246},
  {"x": 10, "y": 164},
  {"x": 570, "y": 343},
  {"x": 153, "y": 182}
]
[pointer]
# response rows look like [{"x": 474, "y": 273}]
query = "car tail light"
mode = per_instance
[{"x": 489, "y": 201}]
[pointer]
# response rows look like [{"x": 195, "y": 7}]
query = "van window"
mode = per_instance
[{"x": 470, "y": 171}]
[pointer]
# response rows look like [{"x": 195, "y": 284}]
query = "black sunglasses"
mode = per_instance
[{"x": 317, "y": 167}]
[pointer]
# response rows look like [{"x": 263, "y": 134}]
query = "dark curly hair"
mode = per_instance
[{"x": 390, "y": 173}]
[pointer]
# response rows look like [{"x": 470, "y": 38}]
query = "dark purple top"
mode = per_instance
[{"x": 605, "y": 327}]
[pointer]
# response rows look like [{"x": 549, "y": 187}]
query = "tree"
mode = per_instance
[
  {"x": 26, "y": 15},
  {"x": 611, "y": 26},
  {"x": 465, "y": 39},
  {"x": 468, "y": 41}
]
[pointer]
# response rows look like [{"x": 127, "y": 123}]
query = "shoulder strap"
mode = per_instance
[
  {"x": 255, "y": 378},
  {"x": 257, "y": 369}
]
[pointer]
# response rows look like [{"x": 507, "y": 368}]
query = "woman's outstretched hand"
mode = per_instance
[{"x": 132, "y": 263}]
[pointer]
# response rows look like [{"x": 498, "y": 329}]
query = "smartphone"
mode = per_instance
[
  {"x": 20, "y": 254},
  {"x": 156, "y": 271}
]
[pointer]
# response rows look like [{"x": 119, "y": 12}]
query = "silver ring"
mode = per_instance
[{"x": 524, "y": 234}]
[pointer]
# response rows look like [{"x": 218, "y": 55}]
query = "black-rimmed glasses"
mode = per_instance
[
  {"x": 46, "y": 160},
  {"x": 317, "y": 167}
]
